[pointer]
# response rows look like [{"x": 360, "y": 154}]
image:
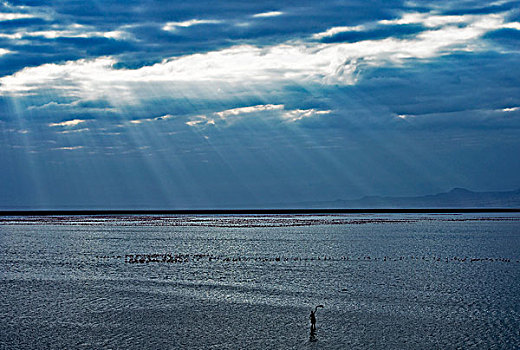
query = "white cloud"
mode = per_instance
[
  {"x": 335, "y": 63},
  {"x": 21, "y": 12},
  {"x": 511, "y": 109},
  {"x": 71, "y": 148},
  {"x": 164, "y": 117},
  {"x": 512, "y": 25},
  {"x": 11, "y": 16},
  {"x": 80, "y": 104},
  {"x": 117, "y": 35},
  {"x": 69, "y": 31},
  {"x": 74, "y": 131},
  {"x": 336, "y": 30},
  {"x": 431, "y": 20},
  {"x": 268, "y": 14},
  {"x": 4, "y": 52},
  {"x": 237, "y": 113},
  {"x": 225, "y": 115},
  {"x": 140, "y": 121},
  {"x": 246, "y": 110},
  {"x": 427, "y": 19},
  {"x": 10, "y": 36},
  {"x": 171, "y": 26},
  {"x": 201, "y": 120},
  {"x": 68, "y": 123},
  {"x": 48, "y": 105},
  {"x": 299, "y": 114}
]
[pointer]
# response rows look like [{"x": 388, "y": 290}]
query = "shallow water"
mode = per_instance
[{"x": 233, "y": 282}]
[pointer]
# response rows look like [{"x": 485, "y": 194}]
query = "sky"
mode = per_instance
[{"x": 232, "y": 104}]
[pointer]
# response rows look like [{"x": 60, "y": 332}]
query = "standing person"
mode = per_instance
[{"x": 313, "y": 320}]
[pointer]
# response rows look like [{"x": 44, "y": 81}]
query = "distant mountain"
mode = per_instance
[{"x": 456, "y": 198}]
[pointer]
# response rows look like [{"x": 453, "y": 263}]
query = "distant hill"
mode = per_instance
[{"x": 456, "y": 198}]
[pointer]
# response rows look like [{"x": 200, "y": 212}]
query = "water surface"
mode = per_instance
[{"x": 233, "y": 282}]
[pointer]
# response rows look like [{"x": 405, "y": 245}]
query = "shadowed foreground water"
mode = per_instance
[{"x": 233, "y": 282}]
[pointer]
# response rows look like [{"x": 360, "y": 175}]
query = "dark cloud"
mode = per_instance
[
  {"x": 442, "y": 86},
  {"x": 145, "y": 22},
  {"x": 480, "y": 8},
  {"x": 94, "y": 104},
  {"x": 11, "y": 63},
  {"x": 509, "y": 38},
  {"x": 96, "y": 46},
  {"x": 21, "y": 23},
  {"x": 41, "y": 50}
]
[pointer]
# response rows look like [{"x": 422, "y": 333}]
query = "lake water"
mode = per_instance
[{"x": 392, "y": 281}]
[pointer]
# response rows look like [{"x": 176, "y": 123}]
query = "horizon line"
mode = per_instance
[{"x": 80, "y": 212}]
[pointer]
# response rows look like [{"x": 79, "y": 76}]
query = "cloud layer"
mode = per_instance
[{"x": 298, "y": 62}]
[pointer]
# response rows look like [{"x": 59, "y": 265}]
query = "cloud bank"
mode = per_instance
[{"x": 329, "y": 64}]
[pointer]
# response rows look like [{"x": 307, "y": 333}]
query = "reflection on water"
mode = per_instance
[
  {"x": 312, "y": 337},
  {"x": 232, "y": 282}
]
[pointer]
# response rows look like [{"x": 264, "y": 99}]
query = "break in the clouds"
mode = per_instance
[{"x": 250, "y": 104}]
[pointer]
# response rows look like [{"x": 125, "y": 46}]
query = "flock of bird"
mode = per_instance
[{"x": 185, "y": 258}]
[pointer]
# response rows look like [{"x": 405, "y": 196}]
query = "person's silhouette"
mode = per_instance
[
  {"x": 313, "y": 321},
  {"x": 312, "y": 317}
]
